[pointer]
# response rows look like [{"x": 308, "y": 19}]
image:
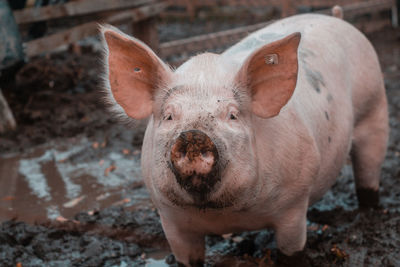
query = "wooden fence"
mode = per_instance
[
  {"x": 173, "y": 51},
  {"x": 139, "y": 13}
]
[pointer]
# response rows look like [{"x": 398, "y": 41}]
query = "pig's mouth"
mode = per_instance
[
  {"x": 198, "y": 185},
  {"x": 201, "y": 202},
  {"x": 201, "y": 189}
]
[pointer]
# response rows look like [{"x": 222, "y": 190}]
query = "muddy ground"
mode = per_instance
[{"x": 71, "y": 192}]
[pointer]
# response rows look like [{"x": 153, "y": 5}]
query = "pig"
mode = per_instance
[{"x": 250, "y": 138}]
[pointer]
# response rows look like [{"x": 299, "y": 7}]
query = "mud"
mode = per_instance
[{"x": 71, "y": 192}]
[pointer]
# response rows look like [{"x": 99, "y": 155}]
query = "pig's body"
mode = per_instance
[
  {"x": 339, "y": 81},
  {"x": 292, "y": 159}
]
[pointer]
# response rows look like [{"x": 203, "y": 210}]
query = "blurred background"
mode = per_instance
[{"x": 71, "y": 192}]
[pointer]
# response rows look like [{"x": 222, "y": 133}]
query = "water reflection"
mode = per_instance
[{"x": 61, "y": 180}]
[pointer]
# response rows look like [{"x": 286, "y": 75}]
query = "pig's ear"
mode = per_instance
[
  {"x": 133, "y": 72},
  {"x": 270, "y": 74}
]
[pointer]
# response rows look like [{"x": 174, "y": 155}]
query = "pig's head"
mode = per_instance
[{"x": 201, "y": 129}]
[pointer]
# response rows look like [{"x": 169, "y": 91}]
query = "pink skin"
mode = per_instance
[{"x": 278, "y": 158}]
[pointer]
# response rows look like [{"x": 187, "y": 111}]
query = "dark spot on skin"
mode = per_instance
[
  {"x": 251, "y": 43},
  {"x": 326, "y": 115},
  {"x": 315, "y": 79},
  {"x": 302, "y": 56},
  {"x": 329, "y": 98},
  {"x": 304, "y": 52},
  {"x": 367, "y": 198},
  {"x": 218, "y": 100},
  {"x": 329, "y": 139}
]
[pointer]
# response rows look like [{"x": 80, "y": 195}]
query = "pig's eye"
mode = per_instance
[
  {"x": 232, "y": 113},
  {"x": 168, "y": 117}
]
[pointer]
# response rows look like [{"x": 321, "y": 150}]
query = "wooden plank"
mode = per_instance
[
  {"x": 207, "y": 41},
  {"x": 213, "y": 3},
  {"x": 213, "y": 40},
  {"x": 287, "y": 8},
  {"x": 75, "y": 8},
  {"x": 395, "y": 16},
  {"x": 367, "y": 7},
  {"x": 146, "y": 31},
  {"x": 77, "y": 33},
  {"x": 373, "y": 26},
  {"x": 325, "y": 3},
  {"x": 352, "y": 10}
]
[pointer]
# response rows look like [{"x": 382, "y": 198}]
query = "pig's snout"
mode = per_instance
[
  {"x": 193, "y": 152},
  {"x": 194, "y": 159}
]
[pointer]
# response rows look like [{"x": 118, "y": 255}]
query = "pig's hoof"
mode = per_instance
[
  {"x": 298, "y": 259},
  {"x": 367, "y": 198},
  {"x": 170, "y": 259},
  {"x": 192, "y": 263}
]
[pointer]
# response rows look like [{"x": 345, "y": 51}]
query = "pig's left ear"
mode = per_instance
[
  {"x": 270, "y": 74},
  {"x": 133, "y": 72}
]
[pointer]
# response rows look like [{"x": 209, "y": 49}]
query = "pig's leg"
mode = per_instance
[
  {"x": 291, "y": 230},
  {"x": 187, "y": 247},
  {"x": 368, "y": 152}
]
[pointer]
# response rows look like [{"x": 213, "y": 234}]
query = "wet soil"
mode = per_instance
[{"x": 71, "y": 192}]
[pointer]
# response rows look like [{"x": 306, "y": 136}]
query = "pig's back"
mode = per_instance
[
  {"x": 338, "y": 75},
  {"x": 326, "y": 42}
]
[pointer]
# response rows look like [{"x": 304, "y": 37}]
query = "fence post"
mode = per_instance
[
  {"x": 146, "y": 31},
  {"x": 288, "y": 8},
  {"x": 395, "y": 14}
]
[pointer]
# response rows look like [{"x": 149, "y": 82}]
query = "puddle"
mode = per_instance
[
  {"x": 62, "y": 180},
  {"x": 156, "y": 263},
  {"x": 157, "y": 258}
]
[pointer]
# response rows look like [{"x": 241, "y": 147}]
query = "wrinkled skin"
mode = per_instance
[{"x": 273, "y": 120}]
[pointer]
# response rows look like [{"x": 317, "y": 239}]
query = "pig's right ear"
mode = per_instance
[
  {"x": 133, "y": 72},
  {"x": 270, "y": 75}
]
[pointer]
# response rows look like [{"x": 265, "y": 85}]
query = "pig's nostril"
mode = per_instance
[{"x": 207, "y": 157}]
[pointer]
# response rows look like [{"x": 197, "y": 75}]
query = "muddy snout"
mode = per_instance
[{"x": 194, "y": 159}]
